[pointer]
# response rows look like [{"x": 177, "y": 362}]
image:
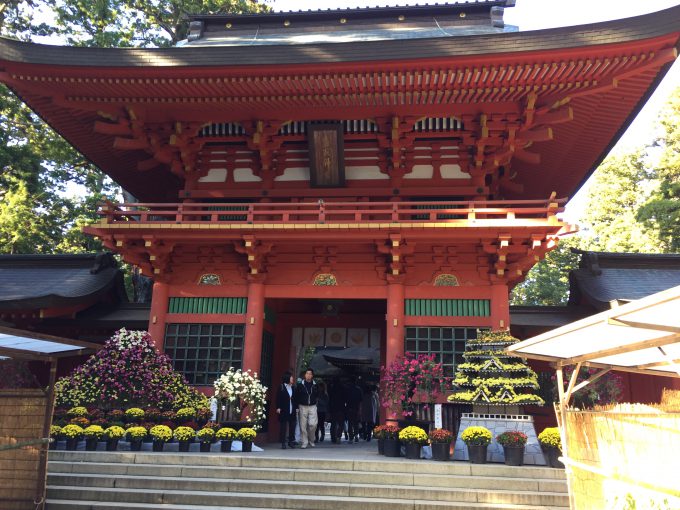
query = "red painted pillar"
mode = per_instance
[
  {"x": 395, "y": 322},
  {"x": 500, "y": 307},
  {"x": 159, "y": 311},
  {"x": 252, "y": 350}
]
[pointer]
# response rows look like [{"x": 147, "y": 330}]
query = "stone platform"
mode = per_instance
[{"x": 497, "y": 424}]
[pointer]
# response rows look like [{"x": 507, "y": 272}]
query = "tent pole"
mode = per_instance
[
  {"x": 572, "y": 383},
  {"x": 563, "y": 433},
  {"x": 47, "y": 422}
]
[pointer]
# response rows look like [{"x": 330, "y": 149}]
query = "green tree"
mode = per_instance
[
  {"x": 137, "y": 23},
  {"x": 48, "y": 189},
  {"x": 619, "y": 189},
  {"x": 547, "y": 283},
  {"x": 661, "y": 212}
]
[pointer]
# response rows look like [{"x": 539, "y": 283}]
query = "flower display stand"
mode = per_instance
[{"x": 497, "y": 424}]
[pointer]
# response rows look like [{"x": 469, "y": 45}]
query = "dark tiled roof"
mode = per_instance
[
  {"x": 605, "y": 277},
  {"x": 610, "y": 32},
  {"x": 547, "y": 316},
  {"x": 44, "y": 281}
]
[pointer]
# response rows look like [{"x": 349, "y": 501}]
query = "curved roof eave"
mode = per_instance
[{"x": 610, "y": 32}]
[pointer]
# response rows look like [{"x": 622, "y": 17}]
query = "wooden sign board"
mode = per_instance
[{"x": 326, "y": 155}]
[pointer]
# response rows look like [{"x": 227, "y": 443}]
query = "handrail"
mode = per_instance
[{"x": 325, "y": 212}]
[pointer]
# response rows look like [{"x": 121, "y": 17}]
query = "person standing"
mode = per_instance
[
  {"x": 306, "y": 396},
  {"x": 321, "y": 412},
  {"x": 369, "y": 410},
  {"x": 336, "y": 406},
  {"x": 286, "y": 409},
  {"x": 353, "y": 399}
]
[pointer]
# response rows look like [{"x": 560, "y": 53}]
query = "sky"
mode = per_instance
[{"x": 541, "y": 14}]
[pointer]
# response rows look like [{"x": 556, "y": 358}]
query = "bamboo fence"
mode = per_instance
[
  {"x": 22, "y": 413},
  {"x": 625, "y": 457}
]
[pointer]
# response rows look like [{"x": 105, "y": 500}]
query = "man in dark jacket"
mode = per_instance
[
  {"x": 286, "y": 409},
  {"x": 306, "y": 396},
  {"x": 353, "y": 397}
]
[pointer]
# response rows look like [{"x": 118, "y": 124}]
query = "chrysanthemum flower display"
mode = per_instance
[{"x": 243, "y": 391}]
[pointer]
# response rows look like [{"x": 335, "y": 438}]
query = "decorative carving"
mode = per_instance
[
  {"x": 325, "y": 279},
  {"x": 446, "y": 280},
  {"x": 210, "y": 279}
]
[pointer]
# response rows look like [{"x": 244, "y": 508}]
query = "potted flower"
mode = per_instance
[
  {"x": 410, "y": 380},
  {"x": 160, "y": 434},
  {"x": 551, "y": 444},
  {"x": 513, "y": 442},
  {"x": 203, "y": 415},
  {"x": 116, "y": 415},
  {"x": 81, "y": 421},
  {"x": 477, "y": 440},
  {"x": 225, "y": 435},
  {"x": 113, "y": 434},
  {"x": 77, "y": 412},
  {"x": 246, "y": 435},
  {"x": 242, "y": 398},
  {"x": 392, "y": 444},
  {"x": 136, "y": 435},
  {"x": 441, "y": 439},
  {"x": 134, "y": 415},
  {"x": 379, "y": 434},
  {"x": 205, "y": 436},
  {"x": 414, "y": 438},
  {"x": 92, "y": 434},
  {"x": 185, "y": 414},
  {"x": 72, "y": 433},
  {"x": 153, "y": 414},
  {"x": 184, "y": 435},
  {"x": 55, "y": 434}
]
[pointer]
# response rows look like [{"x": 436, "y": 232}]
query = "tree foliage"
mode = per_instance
[
  {"x": 137, "y": 23},
  {"x": 48, "y": 190},
  {"x": 661, "y": 213}
]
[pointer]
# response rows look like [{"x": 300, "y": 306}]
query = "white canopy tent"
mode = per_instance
[{"x": 642, "y": 336}]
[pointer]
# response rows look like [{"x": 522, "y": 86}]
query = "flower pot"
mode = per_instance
[
  {"x": 205, "y": 447},
  {"x": 72, "y": 443},
  {"x": 111, "y": 445},
  {"x": 225, "y": 446},
  {"x": 441, "y": 451},
  {"x": 184, "y": 446},
  {"x": 381, "y": 447},
  {"x": 477, "y": 453},
  {"x": 246, "y": 446},
  {"x": 136, "y": 445},
  {"x": 392, "y": 448},
  {"x": 53, "y": 444},
  {"x": 91, "y": 444},
  {"x": 514, "y": 455},
  {"x": 413, "y": 450},
  {"x": 551, "y": 457},
  {"x": 158, "y": 446}
]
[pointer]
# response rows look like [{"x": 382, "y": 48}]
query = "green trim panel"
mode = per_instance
[
  {"x": 204, "y": 305},
  {"x": 448, "y": 307}
]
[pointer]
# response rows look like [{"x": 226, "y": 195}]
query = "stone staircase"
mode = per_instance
[{"x": 170, "y": 481}]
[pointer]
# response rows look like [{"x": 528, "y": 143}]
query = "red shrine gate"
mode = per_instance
[{"x": 411, "y": 157}]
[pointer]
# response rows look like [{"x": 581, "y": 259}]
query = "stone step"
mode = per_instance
[
  {"x": 258, "y": 460},
  {"x": 309, "y": 475},
  {"x": 210, "y": 486},
  {"x": 60, "y": 498}
]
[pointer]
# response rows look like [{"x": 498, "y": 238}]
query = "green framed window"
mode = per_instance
[
  {"x": 446, "y": 343},
  {"x": 202, "y": 352}
]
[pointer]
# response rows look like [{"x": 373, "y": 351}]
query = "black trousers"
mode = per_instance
[
  {"x": 352, "y": 422},
  {"x": 289, "y": 423},
  {"x": 321, "y": 425},
  {"x": 337, "y": 423}
]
